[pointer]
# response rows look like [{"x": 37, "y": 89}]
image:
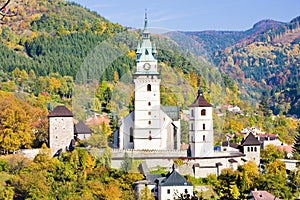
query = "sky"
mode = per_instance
[{"x": 194, "y": 15}]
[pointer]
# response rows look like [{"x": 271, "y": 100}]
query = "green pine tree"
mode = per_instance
[{"x": 296, "y": 147}]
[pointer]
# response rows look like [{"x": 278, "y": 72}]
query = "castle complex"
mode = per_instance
[{"x": 152, "y": 132}]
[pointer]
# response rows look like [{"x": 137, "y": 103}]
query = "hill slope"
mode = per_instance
[{"x": 264, "y": 59}]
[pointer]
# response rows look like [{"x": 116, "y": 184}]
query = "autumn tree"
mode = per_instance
[
  {"x": 270, "y": 153},
  {"x": 227, "y": 187},
  {"x": 274, "y": 180},
  {"x": 247, "y": 178},
  {"x": 15, "y": 130},
  {"x": 146, "y": 194}
]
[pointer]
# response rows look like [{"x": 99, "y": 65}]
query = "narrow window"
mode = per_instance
[
  {"x": 203, "y": 138},
  {"x": 248, "y": 149},
  {"x": 185, "y": 191},
  {"x": 255, "y": 149},
  {"x": 131, "y": 134},
  {"x": 149, "y": 113},
  {"x": 148, "y": 87},
  {"x": 168, "y": 191},
  {"x": 203, "y": 126},
  {"x": 192, "y": 113},
  {"x": 192, "y": 126},
  {"x": 203, "y": 112},
  {"x": 149, "y": 103},
  {"x": 149, "y": 122},
  {"x": 251, "y": 149}
]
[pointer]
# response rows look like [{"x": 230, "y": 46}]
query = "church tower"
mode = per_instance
[
  {"x": 147, "y": 123},
  {"x": 201, "y": 133}
]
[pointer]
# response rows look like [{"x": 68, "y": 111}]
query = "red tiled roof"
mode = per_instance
[
  {"x": 97, "y": 120},
  {"x": 287, "y": 148},
  {"x": 60, "y": 111},
  {"x": 200, "y": 102},
  {"x": 266, "y": 135}
]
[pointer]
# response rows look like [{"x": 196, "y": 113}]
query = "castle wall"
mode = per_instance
[{"x": 61, "y": 132}]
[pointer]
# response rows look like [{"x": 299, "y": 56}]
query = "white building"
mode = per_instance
[
  {"x": 173, "y": 186},
  {"x": 150, "y": 126},
  {"x": 201, "y": 133}
]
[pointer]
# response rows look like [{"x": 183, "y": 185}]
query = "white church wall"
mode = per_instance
[
  {"x": 144, "y": 105},
  {"x": 148, "y": 123},
  {"x": 124, "y": 132},
  {"x": 147, "y": 114}
]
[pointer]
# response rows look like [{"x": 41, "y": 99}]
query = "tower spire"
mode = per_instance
[{"x": 145, "y": 31}]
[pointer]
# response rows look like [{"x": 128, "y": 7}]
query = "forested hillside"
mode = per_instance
[
  {"x": 263, "y": 60},
  {"x": 45, "y": 51}
]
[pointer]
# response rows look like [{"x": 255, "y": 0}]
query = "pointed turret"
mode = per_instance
[
  {"x": 200, "y": 101},
  {"x": 145, "y": 52}
]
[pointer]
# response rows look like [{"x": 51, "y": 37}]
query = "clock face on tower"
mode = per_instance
[{"x": 146, "y": 66}]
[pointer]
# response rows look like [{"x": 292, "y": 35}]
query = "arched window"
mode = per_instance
[
  {"x": 131, "y": 134},
  {"x": 251, "y": 149},
  {"x": 203, "y": 112},
  {"x": 192, "y": 113},
  {"x": 149, "y": 103},
  {"x": 255, "y": 149},
  {"x": 248, "y": 149},
  {"x": 203, "y": 138},
  {"x": 148, "y": 87},
  {"x": 203, "y": 126}
]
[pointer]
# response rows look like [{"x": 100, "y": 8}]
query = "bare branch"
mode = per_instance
[
  {"x": 4, "y": 13},
  {"x": 4, "y": 6}
]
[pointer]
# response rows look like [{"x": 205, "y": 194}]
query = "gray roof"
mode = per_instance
[
  {"x": 81, "y": 128},
  {"x": 230, "y": 144},
  {"x": 175, "y": 179},
  {"x": 172, "y": 111},
  {"x": 250, "y": 140},
  {"x": 152, "y": 178},
  {"x": 60, "y": 111}
]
